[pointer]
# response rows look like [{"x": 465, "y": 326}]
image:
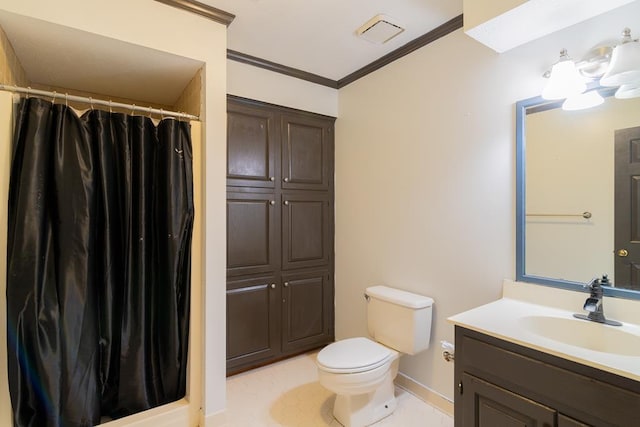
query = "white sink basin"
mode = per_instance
[{"x": 585, "y": 334}]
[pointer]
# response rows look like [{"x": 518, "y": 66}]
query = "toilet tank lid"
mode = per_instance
[{"x": 400, "y": 297}]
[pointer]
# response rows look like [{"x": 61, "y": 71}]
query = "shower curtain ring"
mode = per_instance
[
  {"x": 161, "y": 114},
  {"x": 91, "y": 102},
  {"x": 28, "y": 91},
  {"x": 54, "y": 97},
  {"x": 133, "y": 109},
  {"x": 66, "y": 99},
  {"x": 150, "y": 111},
  {"x": 110, "y": 107}
]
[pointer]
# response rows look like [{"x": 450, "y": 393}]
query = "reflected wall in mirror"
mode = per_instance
[{"x": 578, "y": 195}]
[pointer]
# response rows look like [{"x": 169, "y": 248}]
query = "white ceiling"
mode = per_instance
[
  {"x": 316, "y": 36},
  {"x": 319, "y": 36}
]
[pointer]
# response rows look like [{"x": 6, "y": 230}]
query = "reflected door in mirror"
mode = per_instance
[{"x": 627, "y": 207}]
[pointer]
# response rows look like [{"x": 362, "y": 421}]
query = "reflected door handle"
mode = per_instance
[{"x": 622, "y": 252}]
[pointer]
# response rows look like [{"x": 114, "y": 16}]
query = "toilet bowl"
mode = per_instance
[{"x": 360, "y": 371}]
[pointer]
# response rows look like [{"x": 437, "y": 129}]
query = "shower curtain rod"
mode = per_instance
[{"x": 92, "y": 102}]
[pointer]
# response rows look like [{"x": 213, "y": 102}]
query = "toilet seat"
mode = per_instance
[{"x": 353, "y": 355}]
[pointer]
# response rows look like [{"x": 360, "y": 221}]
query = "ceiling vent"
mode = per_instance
[{"x": 379, "y": 29}]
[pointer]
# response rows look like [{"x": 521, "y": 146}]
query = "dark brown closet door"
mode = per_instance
[
  {"x": 253, "y": 238},
  {"x": 306, "y": 230},
  {"x": 307, "y": 310},
  {"x": 307, "y": 147},
  {"x": 253, "y": 321},
  {"x": 252, "y": 140}
]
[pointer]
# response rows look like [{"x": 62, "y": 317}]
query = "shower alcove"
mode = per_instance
[{"x": 133, "y": 65}]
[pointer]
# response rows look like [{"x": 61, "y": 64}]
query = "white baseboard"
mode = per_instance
[
  {"x": 423, "y": 392},
  {"x": 213, "y": 420}
]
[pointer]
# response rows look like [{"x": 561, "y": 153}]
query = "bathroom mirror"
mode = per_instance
[{"x": 577, "y": 208}]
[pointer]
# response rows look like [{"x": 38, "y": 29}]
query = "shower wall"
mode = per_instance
[
  {"x": 6, "y": 104},
  {"x": 190, "y": 101}
]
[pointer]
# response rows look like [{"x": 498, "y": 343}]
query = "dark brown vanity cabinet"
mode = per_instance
[
  {"x": 279, "y": 233},
  {"x": 504, "y": 384}
]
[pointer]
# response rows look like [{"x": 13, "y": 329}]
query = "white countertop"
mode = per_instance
[{"x": 504, "y": 319}]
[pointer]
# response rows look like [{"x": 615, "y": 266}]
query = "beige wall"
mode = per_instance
[
  {"x": 425, "y": 177},
  {"x": 570, "y": 169},
  {"x": 256, "y": 83},
  {"x": 198, "y": 39}
]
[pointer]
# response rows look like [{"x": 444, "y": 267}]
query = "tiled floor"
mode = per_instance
[{"x": 288, "y": 394}]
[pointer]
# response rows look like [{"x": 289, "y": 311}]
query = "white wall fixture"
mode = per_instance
[
  {"x": 628, "y": 91},
  {"x": 583, "y": 101},
  {"x": 379, "y": 29},
  {"x": 625, "y": 63},
  {"x": 613, "y": 66},
  {"x": 564, "y": 80}
]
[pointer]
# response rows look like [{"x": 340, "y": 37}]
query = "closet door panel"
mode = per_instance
[
  {"x": 252, "y": 233},
  {"x": 307, "y": 152},
  {"x": 253, "y": 321},
  {"x": 252, "y": 141},
  {"x": 306, "y": 230},
  {"x": 307, "y": 310}
]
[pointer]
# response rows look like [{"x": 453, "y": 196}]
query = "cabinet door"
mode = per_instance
[
  {"x": 306, "y": 230},
  {"x": 253, "y": 321},
  {"x": 252, "y": 233},
  {"x": 252, "y": 143},
  {"x": 487, "y": 405},
  {"x": 307, "y": 152},
  {"x": 307, "y": 310}
]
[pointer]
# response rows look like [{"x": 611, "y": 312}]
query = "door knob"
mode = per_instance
[
  {"x": 285, "y": 179},
  {"x": 286, "y": 284},
  {"x": 272, "y": 202},
  {"x": 272, "y": 178},
  {"x": 273, "y": 286},
  {"x": 622, "y": 252},
  {"x": 286, "y": 203}
]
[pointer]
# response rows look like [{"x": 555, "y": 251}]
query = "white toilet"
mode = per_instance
[{"x": 361, "y": 371}]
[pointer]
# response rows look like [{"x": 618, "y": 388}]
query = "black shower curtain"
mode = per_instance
[{"x": 98, "y": 280}]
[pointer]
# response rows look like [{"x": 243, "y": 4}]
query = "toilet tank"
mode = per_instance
[{"x": 399, "y": 319}]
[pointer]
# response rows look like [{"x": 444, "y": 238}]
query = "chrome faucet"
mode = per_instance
[{"x": 593, "y": 304}]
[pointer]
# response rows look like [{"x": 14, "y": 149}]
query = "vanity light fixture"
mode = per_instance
[
  {"x": 564, "y": 79},
  {"x": 628, "y": 91},
  {"x": 624, "y": 67},
  {"x": 583, "y": 101}
]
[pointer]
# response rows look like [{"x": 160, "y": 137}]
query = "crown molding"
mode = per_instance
[
  {"x": 202, "y": 9},
  {"x": 415, "y": 44},
  {"x": 279, "y": 68},
  {"x": 433, "y": 35}
]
